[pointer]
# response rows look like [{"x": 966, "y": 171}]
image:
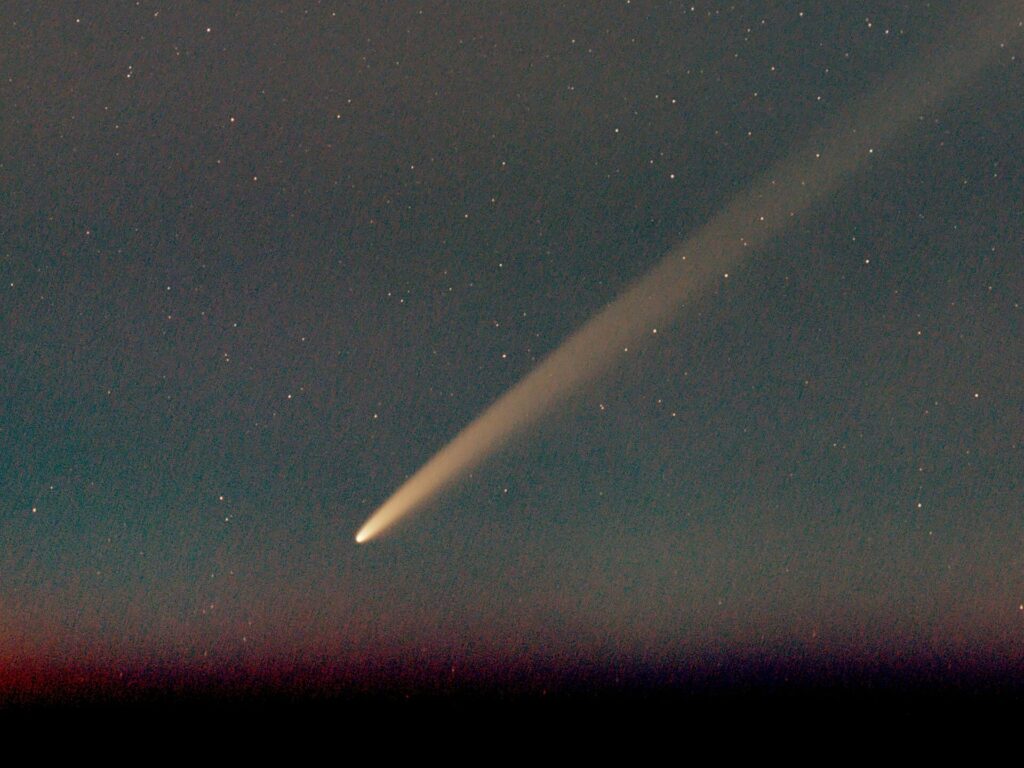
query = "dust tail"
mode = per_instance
[{"x": 764, "y": 210}]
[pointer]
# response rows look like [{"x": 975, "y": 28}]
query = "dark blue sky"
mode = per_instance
[{"x": 258, "y": 264}]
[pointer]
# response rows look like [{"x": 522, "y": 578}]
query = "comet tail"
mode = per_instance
[{"x": 766, "y": 208}]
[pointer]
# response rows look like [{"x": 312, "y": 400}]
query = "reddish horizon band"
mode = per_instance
[{"x": 765, "y": 209}]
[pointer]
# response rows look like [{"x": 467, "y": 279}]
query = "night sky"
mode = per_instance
[{"x": 259, "y": 262}]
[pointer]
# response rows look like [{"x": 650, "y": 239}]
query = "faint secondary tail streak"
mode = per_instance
[{"x": 761, "y": 212}]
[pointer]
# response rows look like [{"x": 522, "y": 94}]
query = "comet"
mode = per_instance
[{"x": 767, "y": 207}]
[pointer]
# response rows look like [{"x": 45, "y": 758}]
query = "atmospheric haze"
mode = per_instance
[{"x": 766, "y": 208}]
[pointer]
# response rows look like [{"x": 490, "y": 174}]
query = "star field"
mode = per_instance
[{"x": 257, "y": 265}]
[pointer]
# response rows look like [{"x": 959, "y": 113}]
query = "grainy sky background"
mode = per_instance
[{"x": 259, "y": 262}]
